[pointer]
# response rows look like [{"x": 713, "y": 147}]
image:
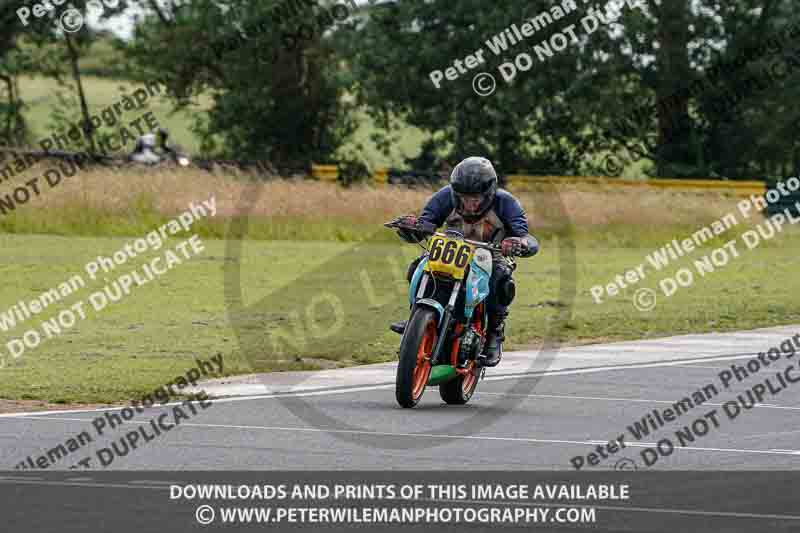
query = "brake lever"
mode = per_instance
[
  {"x": 394, "y": 223},
  {"x": 400, "y": 226}
]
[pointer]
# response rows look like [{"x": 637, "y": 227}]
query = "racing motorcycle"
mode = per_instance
[{"x": 446, "y": 330}]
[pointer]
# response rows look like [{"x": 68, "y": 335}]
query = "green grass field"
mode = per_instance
[
  {"x": 104, "y": 85},
  {"x": 315, "y": 304},
  {"x": 39, "y": 94},
  {"x": 319, "y": 279},
  {"x": 98, "y": 66}
]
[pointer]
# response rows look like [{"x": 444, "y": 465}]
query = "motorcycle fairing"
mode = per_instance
[
  {"x": 477, "y": 288},
  {"x": 412, "y": 289}
]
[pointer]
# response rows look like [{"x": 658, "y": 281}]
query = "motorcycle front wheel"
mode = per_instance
[{"x": 414, "y": 368}]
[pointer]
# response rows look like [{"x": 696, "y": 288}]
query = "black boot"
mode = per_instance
[
  {"x": 493, "y": 350},
  {"x": 399, "y": 327}
]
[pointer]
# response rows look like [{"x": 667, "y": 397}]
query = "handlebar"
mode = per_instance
[
  {"x": 479, "y": 244},
  {"x": 394, "y": 224}
]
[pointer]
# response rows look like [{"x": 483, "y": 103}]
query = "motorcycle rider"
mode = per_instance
[
  {"x": 154, "y": 148},
  {"x": 144, "y": 150},
  {"x": 473, "y": 205},
  {"x": 171, "y": 150}
]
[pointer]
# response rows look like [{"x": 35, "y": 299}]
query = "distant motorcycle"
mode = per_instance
[
  {"x": 446, "y": 330},
  {"x": 145, "y": 151}
]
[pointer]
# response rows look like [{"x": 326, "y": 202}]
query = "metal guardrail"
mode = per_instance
[
  {"x": 325, "y": 172},
  {"x": 521, "y": 182},
  {"x": 264, "y": 167},
  {"x": 383, "y": 176}
]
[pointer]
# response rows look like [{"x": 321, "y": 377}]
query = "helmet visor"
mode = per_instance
[
  {"x": 473, "y": 188},
  {"x": 471, "y": 204}
]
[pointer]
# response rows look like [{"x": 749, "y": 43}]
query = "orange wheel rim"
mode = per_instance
[
  {"x": 468, "y": 382},
  {"x": 422, "y": 371}
]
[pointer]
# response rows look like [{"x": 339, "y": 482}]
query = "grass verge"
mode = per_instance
[
  {"x": 321, "y": 280},
  {"x": 297, "y": 313}
]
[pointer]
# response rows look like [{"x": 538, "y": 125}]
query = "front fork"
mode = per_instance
[
  {"x": 447, "y": 317},
  {"x": 444, "y": 327}
]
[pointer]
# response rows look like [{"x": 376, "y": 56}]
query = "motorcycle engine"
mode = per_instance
[{"x": 470, "y": 346}]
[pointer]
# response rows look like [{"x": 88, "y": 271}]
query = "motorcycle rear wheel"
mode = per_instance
[
  {"x": 458, "y": 391},
  {"x": 414, "y": 368}
]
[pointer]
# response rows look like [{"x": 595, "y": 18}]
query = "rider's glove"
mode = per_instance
[
  {"x": 513, "y": 246},
  {"x": 420, "y": 228},
  {"x": 404, "y": 233},
  {"x": 408, "y": 220}
]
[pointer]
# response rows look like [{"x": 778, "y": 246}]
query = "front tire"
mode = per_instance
[{"x": 416, "y": 348}]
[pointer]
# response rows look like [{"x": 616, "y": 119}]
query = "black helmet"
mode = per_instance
[
  {"x": 474, "y": 175},
  {"x": 162, "y": 135}
]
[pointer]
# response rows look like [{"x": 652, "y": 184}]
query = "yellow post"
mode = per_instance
[
  {"x": 381, "y": 176},
  {"x": 329, "y": 173}
]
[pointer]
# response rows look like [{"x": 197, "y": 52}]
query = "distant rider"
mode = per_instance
[
  {"x": 144, "y": 150},
  {"x": 472, "y": 205},
  {"x": 154, "y": 148}
]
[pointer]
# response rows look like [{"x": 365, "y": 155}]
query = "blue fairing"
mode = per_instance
[
  {"x": 433, "y": 304},
  {"x": 412, "y": 289},
  {"x": 477, "y": 289}
]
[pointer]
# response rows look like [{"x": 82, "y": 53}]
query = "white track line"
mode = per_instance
[
  {"x": 629, "y": 366},
  {"x": 502, "y": 377},
  {"x": 217, "y": 400},
  {"x": 29, "y": 481},
  {"x": 439, "y": 436},
  {"x": 698, "y": 366},
  {"x": 632, "y": 400},
  {"x": 794, "y": 452}
]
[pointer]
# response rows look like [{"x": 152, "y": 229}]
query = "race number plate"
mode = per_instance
[{"x": 449, "y": 256}]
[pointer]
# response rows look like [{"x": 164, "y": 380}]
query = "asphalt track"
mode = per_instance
[{"x": 536, "y": 411}]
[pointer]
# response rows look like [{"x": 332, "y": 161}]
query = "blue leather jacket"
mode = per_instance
[{"x": 440, "y": 209}]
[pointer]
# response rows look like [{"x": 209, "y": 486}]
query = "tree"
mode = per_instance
[
  {"x": 636, "y": 83},
  {"x": 38, "y": 45},
  {"x": 526, "y": 125},
  {"x": 748, "y": 121},
  {"x": 13, "y": 129},
  {"x": 682, "y": 71},
  {"x": 273, "y": 77}
]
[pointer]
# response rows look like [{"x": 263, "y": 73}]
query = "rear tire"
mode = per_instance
[
  {"x": 459, "y": 391},
  {"x": 414, "y": 368}
]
